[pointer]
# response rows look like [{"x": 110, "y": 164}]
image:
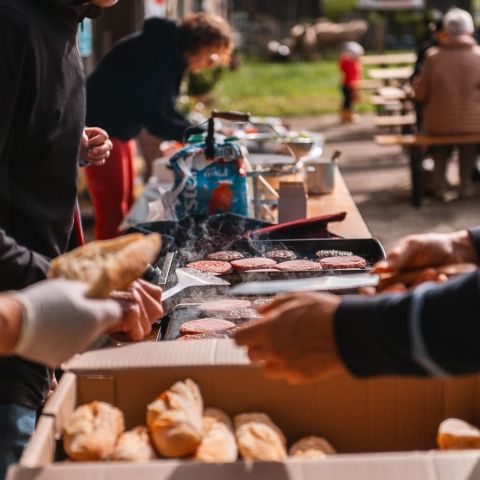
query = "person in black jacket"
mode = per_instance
[
  {"x": 135, "y": 87},
  {"x": 42, "y": 115},
  {"x": 432, "y": 330}
]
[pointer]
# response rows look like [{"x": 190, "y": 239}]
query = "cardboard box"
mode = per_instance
[{"x": 386, "y": 415}]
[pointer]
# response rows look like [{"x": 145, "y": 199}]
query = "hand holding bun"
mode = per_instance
[
  {"x": 108, "y": 265},
  {"x": 175, "y": 420},
  {"x": 258, "y": 438},
  {"x": 92, "y": 431}
]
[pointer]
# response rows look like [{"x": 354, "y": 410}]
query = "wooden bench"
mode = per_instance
[
  {"x": 390, "y": 75},
  {"x": 369, "y": 84},
  {"x": 406, "y": 120},
  {"x": 389, "y": 59},
  {"x": 392, "y": 93},
  {"x": 415, "y": 145}
]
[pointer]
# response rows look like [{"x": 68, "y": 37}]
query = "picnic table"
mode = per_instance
[
  {"x": 415, "y": 145},
  {"x": 390, "y": 59},
  {"x": 388, "y": 75},
  {"x": 392, "y": 93}
]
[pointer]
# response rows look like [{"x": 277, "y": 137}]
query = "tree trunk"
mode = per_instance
[
  {"x": 124, "y": 18},
  {"x": 444, "y": 5}
]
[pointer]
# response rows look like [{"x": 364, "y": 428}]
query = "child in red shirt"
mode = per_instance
[{"x": 351, "y": 70}]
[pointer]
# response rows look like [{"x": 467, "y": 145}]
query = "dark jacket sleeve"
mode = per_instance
[
  {"x": 166, "y": 123},
  {"x": 375, "y": 336},
  {"x": 475, "y": 238},
  {"x": 19, "y": 266}
]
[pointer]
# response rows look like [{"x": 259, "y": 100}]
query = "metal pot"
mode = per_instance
[{"x": 319, "y": 174}]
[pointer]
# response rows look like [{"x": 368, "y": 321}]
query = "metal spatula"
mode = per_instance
[
  {"x": 327, "y": 283},
  {"x": 188, "y": 277}
]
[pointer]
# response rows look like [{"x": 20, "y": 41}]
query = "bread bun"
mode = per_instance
[
  {"x": 455, "y": 434},
  {"x": 134, "y": 446},
  {"x": 258, "y": 438},
  {"x": 108, "y": 265},
  {"x": 311, "y": 447},
  {"x": 218, "y": 443},
  {"x": 92, "y": 431},
  {"x": 175, "y": 420}
]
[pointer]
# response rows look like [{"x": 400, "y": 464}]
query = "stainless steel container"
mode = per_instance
[
  {"x": 319, "y": 176},
  {"x": 319, "y": 173}
]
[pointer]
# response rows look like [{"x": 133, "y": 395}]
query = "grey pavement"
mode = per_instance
[{"x": 379, "y": 181}]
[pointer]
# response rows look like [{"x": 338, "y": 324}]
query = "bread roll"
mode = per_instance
[
  {"x": 175, "y": 420},
  {"x": 455, "y": 434},
  {"x": 218, "y": 442},
  {"x": 134, "y": 446},
  {"x": 311, "y": 447},
  {"x": 92, "y": 431},
  {"x": 258, "y": 438},
  {"x": 107, "y": 265}
]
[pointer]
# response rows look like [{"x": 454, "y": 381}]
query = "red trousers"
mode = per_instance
[{"x": 111, "y": 188}]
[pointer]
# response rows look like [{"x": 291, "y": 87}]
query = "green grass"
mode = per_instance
[{"x": 282, "y": 89}]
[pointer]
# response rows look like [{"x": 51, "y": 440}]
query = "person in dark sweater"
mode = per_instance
[
  {"x": 135, "y": 87},
  {"x": 432, "y": 330},
  {"x": 42, "y": 105}
]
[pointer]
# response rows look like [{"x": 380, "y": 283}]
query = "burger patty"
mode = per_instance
[
  {"x": 205, "y": 325},
  {"x": 333, "y": 253},
  {"x": 242, "y": 315},
  {"x": 254, "y": 263},
  {"x": 352, "y": 261},
  {"x": 260, "y": 302},
  {"x": 298, "y": 266},
  {"x": 226, "y": 256},
  {"x": 220, "y": 307},
  {"x": 280, "y": 255},
  {"x": 211, "y": 266},
  {"x": 202, "y": 336}
]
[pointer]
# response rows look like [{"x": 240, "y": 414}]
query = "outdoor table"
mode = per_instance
[
  {"x": 389, "y": 75},
  {"x": 389, "y": 59},
  {"x": 392, "y": 93},
  {"x": 339, "y": 200},
  {"x": 415, "y": 145}
]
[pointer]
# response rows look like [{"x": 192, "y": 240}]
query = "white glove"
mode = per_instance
[{"x": 58, "y": 321}]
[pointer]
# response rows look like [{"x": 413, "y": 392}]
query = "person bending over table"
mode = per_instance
[
  {"x": 134, "y": 87},
  {"x": 432, "y": 330}
]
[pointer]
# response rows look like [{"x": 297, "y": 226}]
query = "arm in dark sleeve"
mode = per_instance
[
  {"x": 167, "y": 123},
  {"x": 376, "y": 335},
  {"x": 19, "y": 266},
  {"x": 474, "y": 234}
]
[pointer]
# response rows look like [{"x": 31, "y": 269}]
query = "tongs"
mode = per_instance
[{"x": 388, "y": 277}]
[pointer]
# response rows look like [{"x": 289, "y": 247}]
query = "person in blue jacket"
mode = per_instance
[{"x": 135, "y": 87}]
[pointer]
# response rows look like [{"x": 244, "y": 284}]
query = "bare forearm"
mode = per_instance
[{"x": 10, "y": 323}]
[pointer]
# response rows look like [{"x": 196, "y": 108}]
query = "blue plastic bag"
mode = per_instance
[{"x": 208, "y": 187}]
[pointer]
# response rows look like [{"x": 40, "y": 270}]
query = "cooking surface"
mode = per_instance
[
  {"x": 185, "y": 312},
  {"x": 370, "y": 249}
]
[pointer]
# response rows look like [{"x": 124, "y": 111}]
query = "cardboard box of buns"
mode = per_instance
[{"x": 380, "y": 429}]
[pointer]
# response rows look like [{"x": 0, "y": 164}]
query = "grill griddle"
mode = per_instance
[
  {"x": 184, "y": 312},
  {"x": 368, "y": 248}
]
